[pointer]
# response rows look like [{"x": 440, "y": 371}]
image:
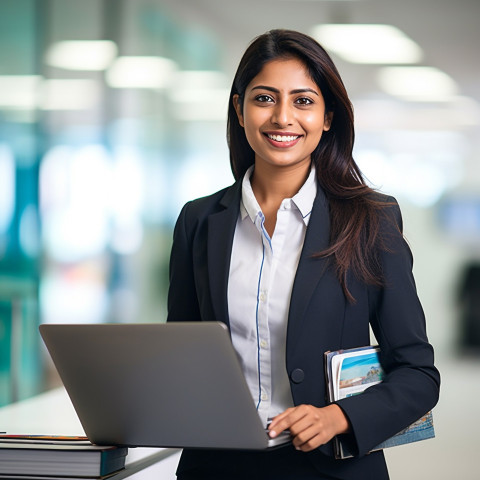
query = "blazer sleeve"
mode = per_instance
[
  {"x": 411, "y": 386},
  {"x": 182, "y": 297}
]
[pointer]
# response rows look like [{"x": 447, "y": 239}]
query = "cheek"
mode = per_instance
[
  {"x": 252, "y": 126},
  {"x": 314, "y": 121},
  {"x": 314, "y": 125},
  {"x": 253, "y": 118},
  {"x": 252, "y": 135}
]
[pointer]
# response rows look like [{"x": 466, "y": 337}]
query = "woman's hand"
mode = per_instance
[{"x": 310, "y": 426}]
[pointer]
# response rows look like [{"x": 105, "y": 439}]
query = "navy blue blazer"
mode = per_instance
[{"x": 320, "y": 319}]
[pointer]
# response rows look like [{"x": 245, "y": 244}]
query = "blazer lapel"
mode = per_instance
[
  {"x": 221, "y": 229},
  {"x": 310, "y": 269}
]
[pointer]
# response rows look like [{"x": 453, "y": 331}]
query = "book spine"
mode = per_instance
[{"x": 113, "y": 460}]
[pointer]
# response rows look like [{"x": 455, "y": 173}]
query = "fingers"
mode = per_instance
[
  {"x": 309, "y": 430},
  {"x": 282, "y": 422},
  {"x": 307, "y": 437},
  {"x": 310, "y": 426}
]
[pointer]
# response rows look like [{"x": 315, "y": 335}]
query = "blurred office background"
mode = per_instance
[{"x": 112, "y": 115}]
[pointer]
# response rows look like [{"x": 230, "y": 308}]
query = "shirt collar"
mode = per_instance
[
  {"x": 303, "y": 199},
  {"x": 249, "y": 205}
]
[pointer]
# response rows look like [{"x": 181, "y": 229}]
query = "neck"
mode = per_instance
[{"x": 272, "y": 185}]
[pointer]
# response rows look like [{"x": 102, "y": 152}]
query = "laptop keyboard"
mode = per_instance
[{"x": 282, "y": 438}]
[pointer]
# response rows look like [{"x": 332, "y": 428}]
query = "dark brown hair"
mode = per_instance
[{"x": 354, "y": 210}]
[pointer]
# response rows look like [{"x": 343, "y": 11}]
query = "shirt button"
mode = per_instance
[
  {"x": 263, "y": 344},
  {"x": 262, "y": 297},
  {"x": 264, "y": 397}
]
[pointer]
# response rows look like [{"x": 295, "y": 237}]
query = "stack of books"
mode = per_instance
[{"x": 36, "y": 457}]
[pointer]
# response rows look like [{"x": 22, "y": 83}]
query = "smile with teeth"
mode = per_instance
[{"x": 283, "y": 138}]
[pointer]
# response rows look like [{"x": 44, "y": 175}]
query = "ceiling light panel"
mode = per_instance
[
  {"x": 19, "y": 91},
  {"x": 368, "y": 43},
  {"x": 417, "y": 83},
  {"x": 141, "y": 72},
  {"x": 69, "y": 94},
  {"x": 90, "y": 55}
]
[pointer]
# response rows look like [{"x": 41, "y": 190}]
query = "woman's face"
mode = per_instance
[{"x": 283, "y": 113}]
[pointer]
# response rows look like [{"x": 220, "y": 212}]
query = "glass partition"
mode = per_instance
[{"x": 111, "y": 123}]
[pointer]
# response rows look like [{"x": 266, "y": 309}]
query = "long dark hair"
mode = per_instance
[{"x": 354, "y": 210}]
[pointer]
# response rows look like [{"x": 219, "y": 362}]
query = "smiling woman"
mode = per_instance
[
  {"x": 276, "y": 114},
  {"x": 298, "y": 257},
  {"x": 283, "y": 115}
]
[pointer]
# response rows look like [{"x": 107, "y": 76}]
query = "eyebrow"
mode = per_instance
[{"x": 275, "y": 90}]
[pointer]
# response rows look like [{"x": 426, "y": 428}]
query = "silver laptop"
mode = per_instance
[{"x": 157, "y": 385}]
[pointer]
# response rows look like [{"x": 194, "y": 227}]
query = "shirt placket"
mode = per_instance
[{"x": 263, "y": 331}]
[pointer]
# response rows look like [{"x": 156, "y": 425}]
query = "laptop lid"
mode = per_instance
[{"x": 157, "y": 385}]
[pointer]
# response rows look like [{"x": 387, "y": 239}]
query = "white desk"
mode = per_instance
[{"x": 52, "y": 413}]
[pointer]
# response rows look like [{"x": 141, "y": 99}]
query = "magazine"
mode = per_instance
[{"x": 351, "y": 372}]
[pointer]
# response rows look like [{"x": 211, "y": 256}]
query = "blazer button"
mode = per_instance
[{"x": 297, "y": 375}]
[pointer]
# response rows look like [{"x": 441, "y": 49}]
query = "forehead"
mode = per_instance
[{"x": 284, "y": 73}]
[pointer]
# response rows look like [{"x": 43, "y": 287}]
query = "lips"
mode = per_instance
[{"x": 282, "y": 140}]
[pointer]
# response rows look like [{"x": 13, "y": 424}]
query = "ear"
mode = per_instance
[
  {"x": 328, "y": 121},
  {"x": 237, "y": 104}
]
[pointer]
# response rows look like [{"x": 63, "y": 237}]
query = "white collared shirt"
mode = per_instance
[{"x": 262, "y": 271}]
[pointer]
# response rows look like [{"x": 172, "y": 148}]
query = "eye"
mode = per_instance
[
  {"x": 264, "y": 98},
  {"x": 303, "y": 101}
]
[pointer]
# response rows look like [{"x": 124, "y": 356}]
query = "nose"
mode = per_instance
[{"x": 282, "y": 114}]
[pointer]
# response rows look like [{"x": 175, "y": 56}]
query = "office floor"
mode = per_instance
[{"x": 451, "y": 455}]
